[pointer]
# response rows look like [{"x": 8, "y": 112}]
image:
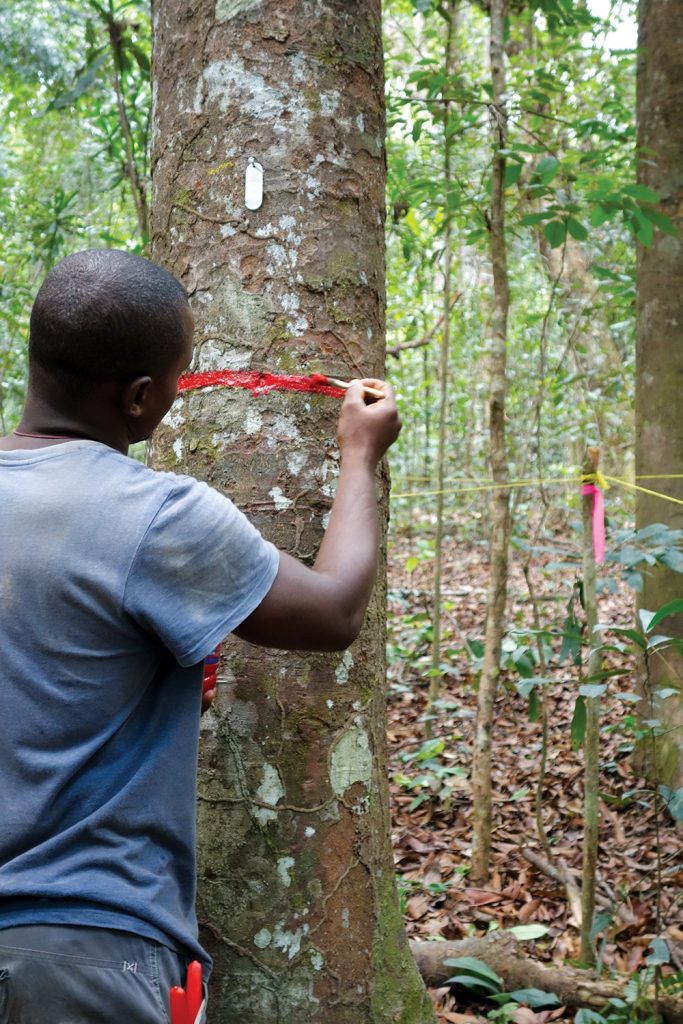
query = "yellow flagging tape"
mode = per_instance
[
  {"x": 659, "y": 476},
  {"x": 490, "y": 487},
  {"x": 600, "y": 479},
  {"x": 644, "y": 490}
]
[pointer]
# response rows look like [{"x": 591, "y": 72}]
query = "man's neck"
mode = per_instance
[{"x": 42, "y": 426}]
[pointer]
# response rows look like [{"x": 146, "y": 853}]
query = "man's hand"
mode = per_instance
[
  {"x": 368, "y": 425},
  {"x": 208, "y": 699}
]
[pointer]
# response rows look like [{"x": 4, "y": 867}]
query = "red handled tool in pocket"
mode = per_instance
[
  {"x": 187, "y": 1004},
  {"x": 211, "y": 671}
]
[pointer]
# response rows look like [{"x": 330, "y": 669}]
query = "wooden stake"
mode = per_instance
[{"x": 592, "y": 737}]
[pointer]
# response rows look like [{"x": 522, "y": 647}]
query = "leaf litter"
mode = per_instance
[{"x": 431, "y": 794}]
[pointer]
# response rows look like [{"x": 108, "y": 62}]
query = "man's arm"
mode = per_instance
[{"x": 322, "y": 608}]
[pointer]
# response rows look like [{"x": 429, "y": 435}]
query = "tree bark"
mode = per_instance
[
  {"x": 659, "y": 354},
  {"x": 297, "y": 900},
  {"x": 501, "y": 952},
  {"x": 500, "y": 504}
]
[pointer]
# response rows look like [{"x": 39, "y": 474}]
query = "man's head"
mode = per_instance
[{"x": 106, "y": 318}]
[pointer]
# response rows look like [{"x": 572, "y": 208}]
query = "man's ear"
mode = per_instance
[{"x": 134, "y": 396}]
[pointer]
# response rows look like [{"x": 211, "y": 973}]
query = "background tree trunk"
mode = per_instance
[
  {"x": 297, "y": 900},
  {"x": 659, "y": 357},
  {"x": 500, "y": 502}
]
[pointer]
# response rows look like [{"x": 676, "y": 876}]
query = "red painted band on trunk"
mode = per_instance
[{"x": 259, "y": 382}]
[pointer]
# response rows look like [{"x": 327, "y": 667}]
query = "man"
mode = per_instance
[{"x": 115, "y": 583}]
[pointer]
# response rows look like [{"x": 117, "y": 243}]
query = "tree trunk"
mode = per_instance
[
  {"x": 297, "y": 901},
  {"x": 659, "y": 356},
  {"x": 500, "y": 505},
  {"x": 444, "y": 352},
  {"x": 501, "y": 952}
]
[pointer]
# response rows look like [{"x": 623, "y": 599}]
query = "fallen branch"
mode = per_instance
[
  {"x": 560, "y": 873},
  {"x": 501, "y": 952}
]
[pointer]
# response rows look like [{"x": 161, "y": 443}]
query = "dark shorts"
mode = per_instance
[{"x": 60, "y": 974}]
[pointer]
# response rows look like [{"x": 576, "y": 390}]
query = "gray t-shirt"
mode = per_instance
[{"x": 115, "y": 582}]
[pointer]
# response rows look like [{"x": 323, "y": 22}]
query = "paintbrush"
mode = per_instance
[{"x": 321, "y": 378}]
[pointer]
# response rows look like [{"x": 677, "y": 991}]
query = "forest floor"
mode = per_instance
[{"x": 431, "y": 794}]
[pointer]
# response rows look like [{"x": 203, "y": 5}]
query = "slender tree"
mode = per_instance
[
  {"x": 500, "y": 505},
  {"x": 659, "y": 356},
  {"x": 449, "y": 13},
  {"x": 297, "y": 901}
]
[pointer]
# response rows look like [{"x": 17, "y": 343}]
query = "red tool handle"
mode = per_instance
[
  {"x": 186, "y": 1002},
  {"x": 194, "y": 990},
  {"x": 179, "y": 1006},
  {"x": 211, "y": 671}
]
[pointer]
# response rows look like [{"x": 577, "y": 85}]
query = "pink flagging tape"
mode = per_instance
[{"x": 598, "y": 521}]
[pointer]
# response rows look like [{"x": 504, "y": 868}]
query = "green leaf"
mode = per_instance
[
  {"x": 525, "y": 932},
  {"x": 641, "y": 193},
  {"x": 578, "y": 730},
  {"x": 660, "y": 953},
  {"x": 519, "y": 794},
  {"x": 672, "y": 608},
  {"x": 673, "y": 559},
  {"x": 586, "y": 1016},
  {"x": 535, "y": 218},
  {"x": 632, "y": 634},
  {"x": 600, "y": 923},
  {"x": 571, "y": 639},
  {"x": 674, "y": 801},
  {"x": 81, "y": 85},
  {"x": 642, "y": 228},
  {"x": 534, "y": 707},
  {"x": 547, "y": 168},
  {"x": 141, "y": 57},
  {"x": 600, "y": 213},
  {"x": 430, "y": 749},
  {"x": 556, "y": 232},
  {"x": 592, "y": 690},
  {"x": 478, "y": 985},
  {"x": 535, "y": 998},
  {"x": 480, "y": 970},
  {"x": 512, "y": 173},
  {"x": 660, "y": 220},
  {"x": 576, "y": 229}
]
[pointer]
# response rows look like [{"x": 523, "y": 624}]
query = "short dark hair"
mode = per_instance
[{"x": 104, "y": 314}]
